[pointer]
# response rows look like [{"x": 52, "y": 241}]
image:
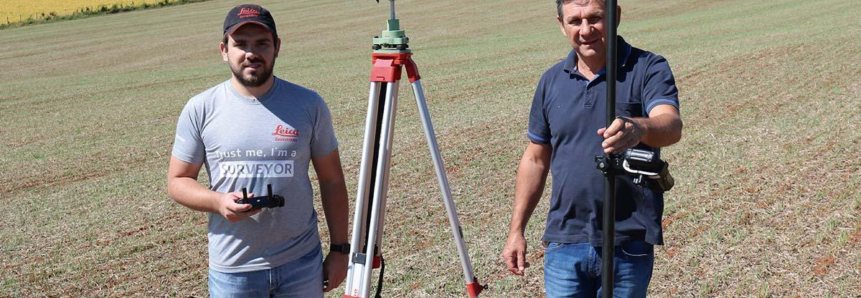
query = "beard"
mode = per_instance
[{"x": 253, "y": 80}]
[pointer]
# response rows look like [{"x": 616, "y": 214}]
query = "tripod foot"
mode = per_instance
[{"x": 474, "y": 288}]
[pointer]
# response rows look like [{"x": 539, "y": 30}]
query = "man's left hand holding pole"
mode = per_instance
[{"x": 661, "y": 129}]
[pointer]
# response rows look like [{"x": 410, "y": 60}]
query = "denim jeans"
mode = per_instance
[
  {"x": 574, "y": 270},
  {"x": 300, "y": 279}
]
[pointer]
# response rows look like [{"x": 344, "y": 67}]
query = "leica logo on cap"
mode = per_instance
[{"x": 248, "y": 13}]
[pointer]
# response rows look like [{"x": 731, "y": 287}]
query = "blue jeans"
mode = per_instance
[
  {"x": 300, "y": 278},
  {"x": 574, "y": 270}
]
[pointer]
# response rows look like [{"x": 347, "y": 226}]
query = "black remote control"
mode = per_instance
[{"x": 269, "y": 201}]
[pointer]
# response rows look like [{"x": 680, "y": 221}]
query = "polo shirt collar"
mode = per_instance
[{"x": 623, "y": 53}]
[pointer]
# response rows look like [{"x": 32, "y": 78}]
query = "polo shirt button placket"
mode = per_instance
[{"x": 588, "y": 101}]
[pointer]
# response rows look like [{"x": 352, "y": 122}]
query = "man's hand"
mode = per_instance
[
  {"x": 514, "y": 254},
  {"x": 623, "y": 134},
  {"x": 333, "y": 196},
  {"x": 531, "y": 175},
  {"x": 334, "y": 270},
  {"x": 233, "y": 212}
]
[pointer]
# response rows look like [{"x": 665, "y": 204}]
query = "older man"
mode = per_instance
[{"x": 566, "y": 131}]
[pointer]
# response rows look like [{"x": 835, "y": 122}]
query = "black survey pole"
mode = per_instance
[{"x": 609, "y": 227}]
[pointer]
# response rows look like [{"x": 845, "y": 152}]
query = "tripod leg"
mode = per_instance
[
  {"x": 362, "y": 197},
  {"x": 473, "y": 287},
  {"x": 383, "y": 173},
  {"x": 363, "y": 263}
]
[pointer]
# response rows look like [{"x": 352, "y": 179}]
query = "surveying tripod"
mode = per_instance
[{"x": 391, "y": 52}]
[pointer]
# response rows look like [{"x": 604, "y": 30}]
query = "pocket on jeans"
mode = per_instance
[
  {"x": 553, "y": 246},
  {"x": 637, "y": 249}
]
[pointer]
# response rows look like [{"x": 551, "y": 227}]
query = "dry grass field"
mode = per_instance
[{"x": 767, "y": 202}]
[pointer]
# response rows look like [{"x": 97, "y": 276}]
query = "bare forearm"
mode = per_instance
[
  {"x": 188, "y": 192},
  {"x": 531, "y": 177},
  {"x": 335, "y": 205},
  {"x": 661, "y": 130}
]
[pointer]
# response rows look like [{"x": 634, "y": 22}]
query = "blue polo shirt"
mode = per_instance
[{"x": 566, "y": 113}]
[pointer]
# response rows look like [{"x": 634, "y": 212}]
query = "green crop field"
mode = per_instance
[{"x": 768, "y": 195}]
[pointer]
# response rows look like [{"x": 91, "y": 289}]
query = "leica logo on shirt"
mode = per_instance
[{"x": 285, "y": 134}]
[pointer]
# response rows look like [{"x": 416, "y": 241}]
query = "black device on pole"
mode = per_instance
[{"x": 609, "y": 225}]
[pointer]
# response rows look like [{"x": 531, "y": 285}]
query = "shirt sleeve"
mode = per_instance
[
  {"x": 539, "y": 128},
  {"x": 323, "y": 140},
  {"x": 660, "y": 85},
  {"x": 188, "y": 144}
]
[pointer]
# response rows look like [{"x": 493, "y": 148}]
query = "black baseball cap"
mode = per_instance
[{"x": 249, "y": 13}]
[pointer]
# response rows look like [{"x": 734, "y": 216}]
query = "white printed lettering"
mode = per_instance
[{"x": 251, "y": 169}]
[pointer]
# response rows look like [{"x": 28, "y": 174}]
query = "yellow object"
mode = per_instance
[{"x": 17, "y": 11}]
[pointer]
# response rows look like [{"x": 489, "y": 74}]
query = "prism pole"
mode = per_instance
[{"x": 609, "y": 209}]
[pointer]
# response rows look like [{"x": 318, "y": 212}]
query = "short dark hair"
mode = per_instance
[{"x": 559, "y": 4}]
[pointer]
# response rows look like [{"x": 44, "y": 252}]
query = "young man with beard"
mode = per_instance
[
  {"x": 252, "y": 131},
  {"x": 567, "y": 111}
]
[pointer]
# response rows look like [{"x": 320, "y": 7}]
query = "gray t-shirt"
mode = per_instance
[{"x": 250, "y": 143}]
